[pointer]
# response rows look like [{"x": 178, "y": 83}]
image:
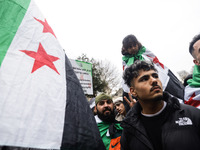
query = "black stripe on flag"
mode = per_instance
[
  {"x": 174, "y": 86},
  {"x": 80, "y": 128}
]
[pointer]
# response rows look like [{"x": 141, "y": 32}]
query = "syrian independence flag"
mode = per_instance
[
  {"x": 170, "y": 82},
  {"x": 192, "y": 90},
  {"x": 42, "y": 104},
  {"x": 192, "y": 96}
]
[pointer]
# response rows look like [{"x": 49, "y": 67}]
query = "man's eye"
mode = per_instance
[
  {"x": 101, "y": 103},
  {"x": 144, "y": 79},
  {"x": 109, "y": 101},
  {"x": 155, "y": 75}
]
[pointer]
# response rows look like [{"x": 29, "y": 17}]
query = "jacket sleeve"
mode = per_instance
[{"x": 123, "y": 141}]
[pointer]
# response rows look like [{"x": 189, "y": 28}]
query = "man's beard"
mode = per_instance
[
  {"x": 158, "y": 98},
  {"x": 109, "y": 118},
  {"x": 155, "y": 99}
]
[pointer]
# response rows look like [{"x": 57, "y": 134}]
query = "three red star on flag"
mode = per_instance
[{"x": 41, "y": 57}]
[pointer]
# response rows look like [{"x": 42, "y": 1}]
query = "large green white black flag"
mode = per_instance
[{"x": 42, "y": 104}]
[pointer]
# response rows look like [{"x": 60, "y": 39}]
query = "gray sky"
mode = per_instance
[{"x": 97, "y": 27}]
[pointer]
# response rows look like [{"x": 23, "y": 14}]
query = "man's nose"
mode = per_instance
[
  {"x": 154, "y": 81},
  {"x": 105, "y": 104}
]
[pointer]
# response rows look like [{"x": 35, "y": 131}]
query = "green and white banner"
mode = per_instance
[{"x": 83, "y": 72}]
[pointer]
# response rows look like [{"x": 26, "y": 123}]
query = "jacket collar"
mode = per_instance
[
  {"x": 133, "y": 114},
  {"x": 132, "y": 123}
]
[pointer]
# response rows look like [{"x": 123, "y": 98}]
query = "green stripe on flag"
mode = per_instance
[{"x": 11, "y": 15}]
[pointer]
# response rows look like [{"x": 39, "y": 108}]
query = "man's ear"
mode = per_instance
[
  {"x": 196, "y": 62},
  {"x": 95, "y": 109},
  {"x": 133, "y": 91}
]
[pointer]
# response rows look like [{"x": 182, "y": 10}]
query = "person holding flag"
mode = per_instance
[
  {"x": 192, "y": 90},
  {"x": 133, "y": 50},
  {"x": 42, "y": 104}
]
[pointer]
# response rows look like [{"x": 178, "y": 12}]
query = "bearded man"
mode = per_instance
[{"x": 110, "y": 129}]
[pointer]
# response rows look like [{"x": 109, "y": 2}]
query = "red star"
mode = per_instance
[
  {"x": 192, "y": 102},
  {"x": 155, "y": 61},
  {"x": 47, "y": 28},
  {"x": 41, "y": 58}
]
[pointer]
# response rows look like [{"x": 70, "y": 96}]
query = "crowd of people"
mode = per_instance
[{"x": 156, "y": 111}]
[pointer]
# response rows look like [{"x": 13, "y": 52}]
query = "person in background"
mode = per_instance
[
  {"x": 109, "y": 128},
  {"x": 157, "y": 121},
  {"x": 192, "y": 90},
  {"x": 133, "y": 50},
  {"x": 119, "y": 106}
]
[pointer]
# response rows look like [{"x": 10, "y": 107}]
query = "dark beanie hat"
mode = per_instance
[{"x": 101, "y": 97}]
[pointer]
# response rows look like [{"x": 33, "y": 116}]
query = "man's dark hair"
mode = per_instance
[
  {"x": 196, "y": 38},
  {"x": 133, "y": 70},
  {"x": 128, "y": 42}
]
